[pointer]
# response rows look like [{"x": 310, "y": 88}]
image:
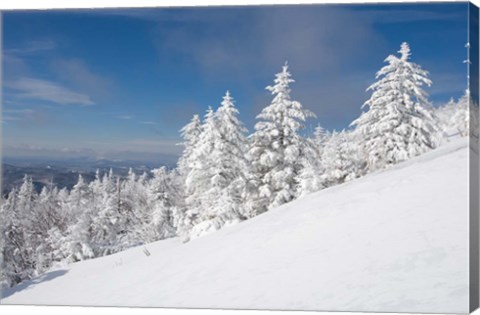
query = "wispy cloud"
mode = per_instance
[
  {"x": 14, "y": 67},
  {"x": 6, "y": 118},
  {"x": 17, "y": 114},
  {"x": 26, "y": 111},
  {"x": 148, "y": 123},
  {"x": 44, "y": 90},
  {"x": 126, "y": 117},
  {"x": 264, "y": 41},
  {"x": 64, "y": 80},
  {"x": 79, "y": 74},
  {"x": 28, "y": 117},
  {"x": 32, "y": 47}
]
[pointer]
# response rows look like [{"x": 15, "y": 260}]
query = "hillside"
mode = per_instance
[{"x": 396, "y": 240}]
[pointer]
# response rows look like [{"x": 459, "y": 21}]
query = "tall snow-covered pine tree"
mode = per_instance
[
  {"x": 222, "y": 149},
  {"x": 276, "y": 148},
  {"x": 190, "y": 134},
  {"x": 399, "y": 123}
]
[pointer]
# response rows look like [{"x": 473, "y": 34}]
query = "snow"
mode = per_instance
[{"x": 394, "y": 240}]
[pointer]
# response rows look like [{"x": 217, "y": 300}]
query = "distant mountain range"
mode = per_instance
[{"x": 64, "y": 173}]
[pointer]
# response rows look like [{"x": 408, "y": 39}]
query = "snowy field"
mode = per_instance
[{"x": 395, "y": 240}]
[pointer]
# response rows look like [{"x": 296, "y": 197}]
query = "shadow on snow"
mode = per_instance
[{"x": 31, "y": 283}]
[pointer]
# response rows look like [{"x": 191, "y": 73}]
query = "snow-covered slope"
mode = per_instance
[{"x": 392, "y": 241}]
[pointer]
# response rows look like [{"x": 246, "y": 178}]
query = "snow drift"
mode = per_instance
[{"x": 395, "y": 240}]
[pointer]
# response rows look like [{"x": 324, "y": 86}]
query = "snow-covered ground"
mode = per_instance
[{"x": 396, "y": 240}]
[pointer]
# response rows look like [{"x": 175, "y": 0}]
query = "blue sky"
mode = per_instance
[{"x": 121, "y": 83}]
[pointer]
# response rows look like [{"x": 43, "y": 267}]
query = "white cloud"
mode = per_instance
[
  {"x": 77, "y": 73},
  {"x": 270, "y": 36},
  {"x": 21, "y": 115},
  {"x": 37, "y": 89},
  {"x": 125, "y": 117},
  {"x": 6, "y": 118},
  {"x": 32, "y": 47},
  {"x": 70, "y": 80}
]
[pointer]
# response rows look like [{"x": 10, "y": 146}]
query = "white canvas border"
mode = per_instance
[{"x": 55, "y": 4}]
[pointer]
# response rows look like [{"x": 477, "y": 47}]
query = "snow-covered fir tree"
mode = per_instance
[
  {"x": 310, "y": 178},
  {"x": 276, "y": 148},
  {"x": 320, "y": 138},
  {"x": 134, "y": 206},
  {"x": 454, "y": 117},
  {"x": 461, "y": 117},
  {"x": 341, "y": 158},
  {"x": 162, "y": 198},
  {"x": 16, "y": 264},
  {"x": 190, "y": 134},
  {"x": 56, "y": 238},
  {"x": 399, "y": 123},
  {"x": 474, "y": 120},
  {"x": 84, "y": 201},
  {"x": 230, "y": 148},
  {"x": 4, "y": 278},
  {"x": 80, "y": 198},
  {"x": 25, "y": 228},
  {"x": 198, "y": 181},
  {"x": 109, "y": 225},
  {"x": 444, "y": 114},
  {"x": 48, "y": 216},
  {"x": 26, "y": 208},
  {"x": 224, "y": 199}
]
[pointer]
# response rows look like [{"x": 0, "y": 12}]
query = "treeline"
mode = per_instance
[{"x": 225, "y": 176}]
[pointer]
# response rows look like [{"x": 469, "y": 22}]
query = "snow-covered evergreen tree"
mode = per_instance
[
  {"x": 202, "y": 169},
  {"x": 454, "y": 117},
  {"x": 19, "y": 238},
  {"x": 399, "y": 123},
  {"x": 109, "y": 224},
  {"x": 342, "y": 158},
  {"x": 223, "y": 201},
  {"x": 83, "y": 203},
  {"x": 320, "y": 138},
  {"x": 190, "y": 134},
  {"x": 444, "y": 115},
  {"x": 310, "y": 178},
  {"x": 80, "y": 198},
  {"x": 474, "y": 121},
  {"x": 16, "y": 264},
  {"x": 48, "y": 216},
  {"x": 134, "y": 208},
  {"x": 4, "y": 277},
  {"x": 461, "y": 117},
  {"x": 56, "y": 239},
  {"x": 162, "y": 197},
  {"x": 276, "y": 148},
  {"x": 231, "y": 146},
  {"x": 27, "y": 207}
]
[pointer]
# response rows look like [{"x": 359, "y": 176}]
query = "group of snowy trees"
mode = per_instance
[
  {"x": 225, "y": 176},
  {"x": 94, "y": 219}
]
